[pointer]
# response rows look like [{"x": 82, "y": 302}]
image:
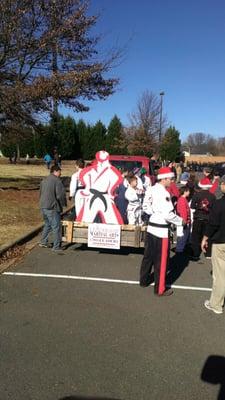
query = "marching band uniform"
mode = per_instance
[{"x": 158, "y": 205}]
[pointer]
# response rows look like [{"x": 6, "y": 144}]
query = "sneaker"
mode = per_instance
[
  {"x": 58, "y": 251},
  {"x": 43, "y": 245},
  {"x": 209, "y": 307}
]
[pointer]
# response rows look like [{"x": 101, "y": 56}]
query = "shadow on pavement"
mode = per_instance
[
  {"x": 86, "y": 398},
  {"x": 124, "y": 251},
  {"x": 177, "y": 265},
  {"x": 214, "y": 372}
]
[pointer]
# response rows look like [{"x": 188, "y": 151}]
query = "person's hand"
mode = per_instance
[{"x": 204, "y": 244}]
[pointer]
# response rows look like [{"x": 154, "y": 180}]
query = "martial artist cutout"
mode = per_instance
[{"x": 97, "y": 199}]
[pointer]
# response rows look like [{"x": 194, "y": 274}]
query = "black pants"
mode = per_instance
[
  {"x": 198, "y": 231},
  {"x": 156, "y": 254}
]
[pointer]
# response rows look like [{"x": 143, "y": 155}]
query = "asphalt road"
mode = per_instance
[{"x": 79, "y": 339}]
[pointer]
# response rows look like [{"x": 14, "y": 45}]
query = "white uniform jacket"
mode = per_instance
[
  {"x": 75, "y": 184},
  {"x": 134, "y": 206},
  {"x": 161, "y": 211}
]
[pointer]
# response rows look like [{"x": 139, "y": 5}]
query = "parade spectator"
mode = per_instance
[
  {"x": 183, "y": 210},
  {"x": 201, "y": 203},
  {"x": 215, "y": 189},
  {"x": 140, "y": 188},
  {"x": 153, "y": 167},
  {"x": 134, "y": 202},
  {"x": 52, "y": 201},
  {"x": 14, "y": 157},
  {"x": 178, "y": 172},
  {"x": 47, "y": 160},
  {"x": 215, "y": 231},
  {"x": 185, "y": 176},
  {"x": 173, "y": 191},
  {"x": 172, "y": 166},
  {"x": 146, "y": 181}
]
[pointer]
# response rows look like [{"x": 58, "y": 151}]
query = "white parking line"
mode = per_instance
[{"x": 89, "y": 278}]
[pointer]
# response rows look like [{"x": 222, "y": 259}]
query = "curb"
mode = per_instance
[{"x": 27, "y": 236}]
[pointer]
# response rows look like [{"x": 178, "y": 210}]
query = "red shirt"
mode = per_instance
[
  {"x": 214, "y": 186},
  {"x": 183, "y": 209}
]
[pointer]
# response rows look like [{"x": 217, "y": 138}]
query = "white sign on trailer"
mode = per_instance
[{"x": 104, "y": 236}]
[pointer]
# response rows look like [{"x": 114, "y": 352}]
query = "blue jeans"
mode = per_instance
[
  {"x": 51, "y": 223},
  {"x": 183, "y": 240}
]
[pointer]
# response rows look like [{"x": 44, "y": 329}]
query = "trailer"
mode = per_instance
[{"x": 77, "y": 232}]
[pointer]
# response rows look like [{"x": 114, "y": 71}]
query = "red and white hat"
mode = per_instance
[
  {"x": 205, "y": 183},
  {"x": 165, "y": 172}
]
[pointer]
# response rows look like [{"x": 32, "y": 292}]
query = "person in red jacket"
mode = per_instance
[
  {"x": 215, "y": 189},
  {"x": 173, "y": 191},
  {"x": 183, "y": 210}
]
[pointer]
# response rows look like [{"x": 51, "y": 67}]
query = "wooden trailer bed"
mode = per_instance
[{"x": 77, "y": 232}]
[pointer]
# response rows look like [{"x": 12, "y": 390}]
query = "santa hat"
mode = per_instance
[
  {"x": 165, "y": 172},
  {"x": 205, "y": 183}
]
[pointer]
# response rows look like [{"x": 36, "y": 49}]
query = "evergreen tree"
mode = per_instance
[
  {"x": 68, "y": 138},
  {"x": 170, "y": 148},
  {"x": 83, "y": 135},
  {"x": 115, "y": 137},
  {"x": 96, "y": 139}
]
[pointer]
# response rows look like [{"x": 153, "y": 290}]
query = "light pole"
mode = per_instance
[{"x": 161, "y": 110}]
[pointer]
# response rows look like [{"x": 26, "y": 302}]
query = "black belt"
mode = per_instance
[
  {"x": 159, "y": 225},
  {"x": 80, "y": 187},
  {"x": 98, "y": 195}
]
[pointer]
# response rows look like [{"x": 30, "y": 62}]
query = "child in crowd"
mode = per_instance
[
  {"x": 146, "y": 181},
  {"x": 134, "y": 202},
  {"x": 120, "y": 200},
  {"x": 183, "y": 210}
]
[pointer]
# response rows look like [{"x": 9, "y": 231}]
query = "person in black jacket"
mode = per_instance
[
  {"x": 215, "y": 231},
  {"x": 201, "y": 203}
]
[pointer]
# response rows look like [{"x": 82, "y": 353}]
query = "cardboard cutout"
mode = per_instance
[{"x": 97, "y": 198}]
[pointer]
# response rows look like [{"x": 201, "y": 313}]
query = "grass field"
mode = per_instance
[{"x": 19, "y": 197}]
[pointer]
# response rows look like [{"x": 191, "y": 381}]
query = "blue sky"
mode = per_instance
[{"x": 174, "y": 46}]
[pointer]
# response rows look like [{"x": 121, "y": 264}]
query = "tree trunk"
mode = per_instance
[{"x": 18, "y": 151}]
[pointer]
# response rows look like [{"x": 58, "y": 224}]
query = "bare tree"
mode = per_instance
[
  {"x": 49, "y": 56},
  {"x": 146, "y": 117},
  {"x": 200, "y": 142}
]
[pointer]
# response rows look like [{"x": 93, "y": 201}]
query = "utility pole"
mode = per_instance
[{"x": 160, "y": 121}]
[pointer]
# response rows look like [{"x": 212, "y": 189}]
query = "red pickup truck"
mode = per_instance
[{"x": 131, "y": 162}]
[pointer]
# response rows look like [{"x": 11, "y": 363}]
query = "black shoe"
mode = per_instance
[
  {"x": 167, "y": 292},
  {"x": 143, "y": 284},
  {"x": 194, "y": 258}
]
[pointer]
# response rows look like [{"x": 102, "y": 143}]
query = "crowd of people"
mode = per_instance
[{"x": 173, "y": 197}]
